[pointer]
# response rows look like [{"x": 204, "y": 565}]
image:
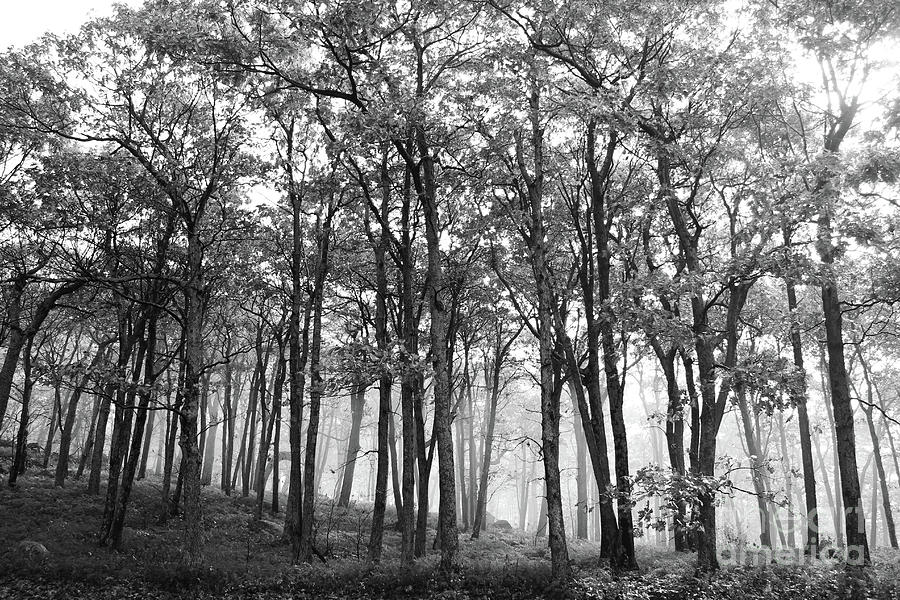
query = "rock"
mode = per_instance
[
  {"x": 32, "y": 550},
  {"x": 502, "y": 524}
]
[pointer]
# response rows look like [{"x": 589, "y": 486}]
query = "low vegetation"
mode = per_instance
[{"x": 247, "y": 559}]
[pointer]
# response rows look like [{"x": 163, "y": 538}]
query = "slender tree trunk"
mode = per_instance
[
  {"x": 53, "y": 425},
  {"x": 462, "y": 505},
  {"x": 614, "y": 388},
  {"x": 357, "y": 405},
  {"x": 550, "y": 390},
  {"x": 501, "y": 349},
  {"x": 581, "y": 477},
  {"x": 524, "y": 488},
  {"x": 757, "y": 464},
  {"x": 811, "y": 546},
  {"x": 786, "y": 473},
  {"x": 227, "y": 427},
  {"x": 838, "y": 507},
  {"x": 674, "y": 437},
  {"x": 474, "y": 492},
  {"x": 20, "y": 456},
  {"x": 209, "y": 444},
  {"x": 128, "y": 474},
  {"x": 316, "y": 390},
  {"x": 65, "y": 437},
  {"x": 145, "y": 452},
  {"x": 171, "y": 437},
  {"x": 93, "y": 487},
  {"x": 322, "y": 456},
  {"x": 87, "y": 451},
  {"x": 876, "y": 450},
  {"x": 423, "y": 174},
  {"x": 258, "y": 387},
  {"x": 125, "y": 398},
  {"x": 396, "y": 488},
  {"x": 277, "y": 402}
]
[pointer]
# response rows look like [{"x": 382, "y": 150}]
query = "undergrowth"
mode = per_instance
[{"x": 246, "y": 558}]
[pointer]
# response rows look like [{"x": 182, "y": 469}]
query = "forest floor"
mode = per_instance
[{"x": 246, "y": 559}]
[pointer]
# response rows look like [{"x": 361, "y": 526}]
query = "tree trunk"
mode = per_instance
[
  {"x": 277, "y": 402},
  {"x": 422, "y": 171},
  {"x": 93, "y": 487},
  {"x": 787, "y": 475},
  {"x": 65, "y": 436},
  {"x": 298, "y": 352},
  {"x": 811, "y": 546},
  {"x": 228, "y": 410},
  {"x": 118, "y": 522},
  {"x": 757, "y": 464},
  {"x": 53, "y": 425},
  {"x": 501, "y": 350},
  {"x": 125, "y": 397},
  {"x": 674, "y": 437},
  {"x": 876, "y": 450},
  {"x": 195, "y": 289},
  {"x": 581, "y": 476},
  {"x": 396, "y": 488},
  {"x": 316, "y": 390},
  {"x": 209, "y": 443},
  {"x": 257, "y": 387},
  {"x": 549, "y": 376},
  {"x": 614, "y": 388},
  {"x": 145, "y": 452},
  {"x": 357, "y": 406},
  {"x": 462, "y": 505},
  {"x": 20, "y": 456},
  {"x": 90, "y": 439},
  {"x": 322, "y": 455},
  {"x": 171, "y": 437}
]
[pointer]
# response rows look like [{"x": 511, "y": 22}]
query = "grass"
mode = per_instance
[{"x": 247, "y": 559}]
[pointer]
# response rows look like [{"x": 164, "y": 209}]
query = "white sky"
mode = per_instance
[{"x": 24, "y": 21}]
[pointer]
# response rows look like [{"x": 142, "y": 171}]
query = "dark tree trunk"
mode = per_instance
[
  {"x": 384, "y": 381},
  {"x": 125, "y": 397},
  {"x": 20, "y": 455},
  {"x": 171, "y": 437},
  {"x": 145, "y": 451},
  {"x": 422, "y": 171},
  {"x": 876, "y": 450},
  {"x": 257, "y": 387},
  {"x": 357, "y": 405},
  {"x": 194, "y": 292},
  {"x": 90, "y": 439},
  {"x": 602, "y": 222},
  {"x": 316, "y": 387},
  {"x": 395, "y": 467},
  {"x": 674, "y": 436},
  {"x": 209, "y": 437},
  {"x": 811, "y": 547},
  {"x": 581, "y": 472},
  {"x": 298, "y": 352},
  {"x": 531, "y": 198},
  {"x": 500, "y": 354},
  {"x": 277, "y": 401},
  {"x": 53, "y": 425},
  {"x": 65, "y": 437},
  {"x": 150, "y": 375},
  {"x": 93, "y": 487},
  {"x": 757, "y": 465},
  {"x": 229, "y": 410}
]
